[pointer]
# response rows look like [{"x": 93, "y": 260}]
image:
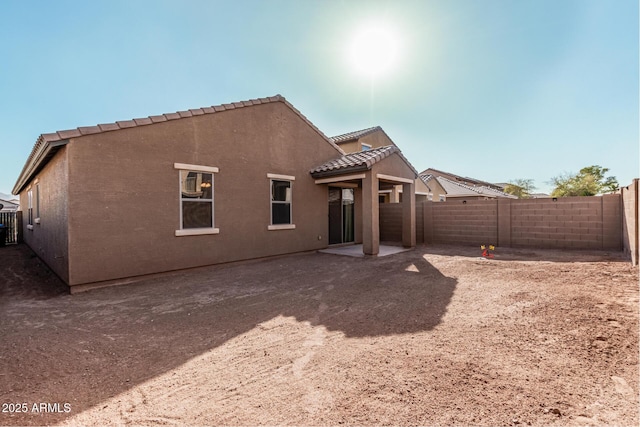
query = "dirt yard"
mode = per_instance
[{"x": 433, "y": 336}]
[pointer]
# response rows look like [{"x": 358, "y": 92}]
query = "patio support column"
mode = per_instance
[
  {"x": 394, "y": 196},
  {"x": 370, "y": 215},
  {"x": 408, "y": 215}
]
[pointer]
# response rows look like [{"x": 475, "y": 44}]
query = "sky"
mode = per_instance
[{"x": 496, "y": 90}]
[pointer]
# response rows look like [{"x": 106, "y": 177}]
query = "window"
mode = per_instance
[
  {"x": 37, "y": 219},
  {"x": 30, "y": 209},
  {"x": 366, "y": 147},
  {"x": 281, "y": 200},
  {"x": 196, "y": 200}
]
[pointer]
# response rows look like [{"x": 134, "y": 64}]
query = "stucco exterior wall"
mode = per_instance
[
  {"x": 48, "y": 236},
  {"x": 351, "y": 146},
  {"x": 394, "y": 166},
  {"x": 376, "y": 140},
  {"x": 125, "y": 200}
]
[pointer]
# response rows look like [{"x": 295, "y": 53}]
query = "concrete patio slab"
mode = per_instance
[{"x": 356, "y": 250}]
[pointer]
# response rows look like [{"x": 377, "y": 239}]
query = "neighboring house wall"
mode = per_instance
[
  {"x": 124, "y": 199},
  {"x": 9, "y": 206},
  {"x": 48, "y": 235},
  {"x": 436, "y": 190},
  {"x": 571, "y": 222},
  {"x": 630, "y": 208}
]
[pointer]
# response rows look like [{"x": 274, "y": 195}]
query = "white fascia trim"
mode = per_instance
[
  {"x": 185, "y": 166},
  {"x": 281, "y": 227},
  {"x": 394, "y": 178},
  {"x": 340, "y": 178},
  {"x": 29, "y": 227},
  {"x": 420, "y": 193},
  {"x": 197, "y": 231},
  {"x": 283, "y": 177}
]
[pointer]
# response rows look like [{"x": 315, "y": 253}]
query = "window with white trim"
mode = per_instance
[
  {"x": 37, "y": 220},
  {"x": 196, "y": 200},
  {"x": 30, "y": 208},
  {"x": 281, "y": 201}
]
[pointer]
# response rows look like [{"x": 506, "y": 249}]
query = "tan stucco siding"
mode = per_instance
[
  {"x": 376, "y": 139},
  {"x": 125, "y": 201},
  {"x": 394, "y": 165},
  {"x": 48, "y": 236},
  {"x": 421, "y": 187},
  {"x": 351, "y": 146}
]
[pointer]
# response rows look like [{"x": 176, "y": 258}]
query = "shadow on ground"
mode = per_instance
[
  {"x": 528, "y": 254},
  {"x": 86, "y": 348}
]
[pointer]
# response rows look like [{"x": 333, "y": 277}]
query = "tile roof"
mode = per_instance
[
  {"x": 362, "y": 160},
  {"x": 457, "y": 189},
  {"x": 48, "y": 143},
  {"x": 426, "y": 178},
  {"x": 457, "y": 178},
  {"x": 354, "y": 135}
]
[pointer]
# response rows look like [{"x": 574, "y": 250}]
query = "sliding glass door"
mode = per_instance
[{"x": 341, "y": 215}]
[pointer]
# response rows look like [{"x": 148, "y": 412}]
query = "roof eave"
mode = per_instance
[
  {"x": 38, "y": 160},
  {"x": 340, "y": 171}
]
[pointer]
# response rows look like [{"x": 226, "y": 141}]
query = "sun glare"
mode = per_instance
[{"x": 373, "y": 51}]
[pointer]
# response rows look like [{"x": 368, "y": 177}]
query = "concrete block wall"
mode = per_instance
[
  {"x": 570, "y": 222},
  {"x": 567, "y": 223},
  {"x": 391, "y": 222},
  {"x": 473, "y": 222},
  {"x": 630, "y": 209}
]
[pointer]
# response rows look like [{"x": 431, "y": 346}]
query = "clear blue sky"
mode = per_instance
[{"x": 492, "y": 89}]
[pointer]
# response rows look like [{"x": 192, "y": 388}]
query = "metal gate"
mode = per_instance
[{"x": 9, "y": 220}]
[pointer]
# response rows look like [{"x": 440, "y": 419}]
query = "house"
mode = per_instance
[
  {"x": 372, "y": 138},
  {"x": 245, "y": 180},
  {"x": 8, "y": 205},
  {"x": 445, "y": 186}
]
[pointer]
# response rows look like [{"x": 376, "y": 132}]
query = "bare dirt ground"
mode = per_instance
[{"x": 433, "y": 336}]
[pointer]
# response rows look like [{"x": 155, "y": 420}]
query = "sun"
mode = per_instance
[{"x": 374, "y": 50}]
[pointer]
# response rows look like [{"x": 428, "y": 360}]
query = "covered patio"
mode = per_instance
[{"x": 365, "y": 174}]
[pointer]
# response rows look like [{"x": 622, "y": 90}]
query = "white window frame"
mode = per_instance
[
  {"x": 30, "y": 208},
  {"x": 277, "y": 177},
  {"x": 37, "y": 214},
  {"x": 196, "y": 231}
]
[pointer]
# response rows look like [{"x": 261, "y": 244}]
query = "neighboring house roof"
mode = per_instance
[
  {"x": 457, "y": 189},
  {"x": 426, "y": 178},
  {"x": 353, "y": 162},
  {"x": 48, "y": 144},
  {"x": 351, "y": 136},
  {"x": 8, "y": 205},
  {"x": 458, "y": 178}
]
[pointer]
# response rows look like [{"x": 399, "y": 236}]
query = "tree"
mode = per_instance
[
  {"x": 588, "y": 182},
  {"x": 521, "y": 188}
]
